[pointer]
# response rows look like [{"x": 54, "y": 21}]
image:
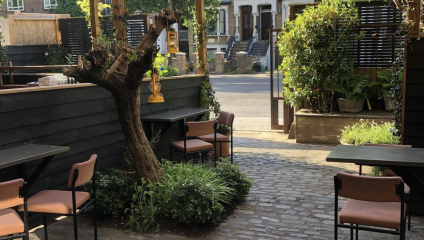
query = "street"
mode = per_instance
[{"x": 248, "y": 97}]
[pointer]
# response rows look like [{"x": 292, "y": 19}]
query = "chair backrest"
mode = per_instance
[
  {"x": 10, "y": 193},
  {"x": 364, "y": 188},
  {"x": 226, "y": 118},
  {"x": 200, "y": 128},
  {"x": 85, "y": 171},
  {"x": 386, "y": 145}
]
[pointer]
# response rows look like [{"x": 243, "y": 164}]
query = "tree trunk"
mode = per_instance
[
  {"x": 128, "y": 105},
  {"x": 120, "y": 70}
]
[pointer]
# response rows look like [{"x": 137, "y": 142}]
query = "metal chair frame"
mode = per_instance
[
  {"x": 75, "y": 213},
  {"x": 25, "y": 235},
  {"x": 230, "y": 141},
  {"x": 399, "y": 191},
  {"x": 186, "y": 129}
]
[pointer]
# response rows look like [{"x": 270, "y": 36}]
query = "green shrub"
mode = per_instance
[
  {"x": 113, "y": 192},
  {"x": 170, "y": 71},
  {"x": 314, "y": 47},
  {"x": 370, "y": 132},
  {"x": 366, "y": 131},
  {"x": 144, "y": 210},
  {"x": 236, "y": 180}
]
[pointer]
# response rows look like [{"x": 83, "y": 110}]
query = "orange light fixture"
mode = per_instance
[
  {"x": 172, "y": 41},
  {"x": 155, "y": 87}
]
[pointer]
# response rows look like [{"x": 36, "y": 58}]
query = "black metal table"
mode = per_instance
[
  {"x": 402, "y": 161},
  {"x": 26, "y": 153},
  {"x": 174, "y": 116}
]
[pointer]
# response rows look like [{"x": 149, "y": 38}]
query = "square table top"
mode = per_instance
[
  {"x": 378, "y": 156},
  {"x": 22, "y": 154},
  {"x": 174, "y": 115}
]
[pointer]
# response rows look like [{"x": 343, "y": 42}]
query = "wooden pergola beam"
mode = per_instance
[
  {"x": 200, "y": 16},
  {"x": 94, "y": 18},
  {"x": 118, "y": 11}
]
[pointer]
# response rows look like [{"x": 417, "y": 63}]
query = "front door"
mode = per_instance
[
  {"x": 266, "y": 22},
  {"x": 247, "y": 23}
]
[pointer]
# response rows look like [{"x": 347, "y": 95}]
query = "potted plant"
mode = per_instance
[
  {"x": 313, "y": 48},
  {"x": 386, "y": 88},
  {"x": 355, "y": 90}
]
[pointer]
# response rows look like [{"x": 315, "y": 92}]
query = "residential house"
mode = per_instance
[{"x": 27, "y": 6}]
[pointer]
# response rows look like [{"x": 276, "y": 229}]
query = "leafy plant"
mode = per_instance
[
  {"x": 224, "y": 129},
  {"x": 112, "y": 191},
  {"x": 68, "y": 7},
  {"x": 170, "y": 71},
  {"x": 207, "y": 97},
  {"x": 370, "y": 132},
  {"x": 389, "y": 82},
  {"x": 366, "y": 131},
  {"x": 356, "y": 87},
  {"x": 236, "y": 179},
  {"x": 57, "y": 55},
  {"x": 144, "y": 210},
  {"x": 195, "y": 194},
  {"x": 314, "y": 48}
]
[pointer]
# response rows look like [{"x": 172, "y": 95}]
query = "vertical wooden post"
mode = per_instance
[
  {"x": 200, "y": 16},
  {"x": 94, "y": 18},
  {"x": 414, "y": 15},
  {"x": 118, "y": 11},
  {"x": 12, "y": 29}
]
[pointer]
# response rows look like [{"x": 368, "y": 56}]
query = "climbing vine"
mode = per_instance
[{"x": 207, "y": 94}]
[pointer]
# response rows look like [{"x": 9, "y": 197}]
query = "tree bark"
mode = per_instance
[
  {"x": 120, "y": 70},
  {"x": 128, "y": 107}
]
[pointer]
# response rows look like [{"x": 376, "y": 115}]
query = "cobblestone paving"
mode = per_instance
[{"x": 292, "y": 198}]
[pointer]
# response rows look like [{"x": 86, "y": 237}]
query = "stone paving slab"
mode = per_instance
[{"x": 292, "y": 198}]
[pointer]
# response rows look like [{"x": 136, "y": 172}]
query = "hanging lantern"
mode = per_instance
[
  {"x": 172, "y": 41},
  {"x": 154, "y": 87}
]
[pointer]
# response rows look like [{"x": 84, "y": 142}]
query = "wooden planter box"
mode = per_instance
[{"x": 324, "y": 128}]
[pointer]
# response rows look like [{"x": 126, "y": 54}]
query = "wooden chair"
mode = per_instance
[
  {"x": 191, "y": 145},
  {"x": 408, "y": 191},
  {"x": 68, "y": 203},
  {"x": 225, "y": 118},
  {"x": 373, "y": 203},
  {"x": 13, "y": 194}
]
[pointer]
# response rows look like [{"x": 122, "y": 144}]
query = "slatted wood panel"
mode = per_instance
[
  {"x": 379, "y": 22},
  {"x": 85, "y": 119},
  {"x": 76, "y": 34},
  {"x": 26, "y": 55},
  {"x": 413, "y": 122}
]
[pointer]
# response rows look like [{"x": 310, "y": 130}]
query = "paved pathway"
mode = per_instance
[{"x": 292, "y": 197}]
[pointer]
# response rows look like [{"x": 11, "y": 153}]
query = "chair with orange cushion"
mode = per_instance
[
  {"x": 221, "y": 149},
  {"x": 68, "y": 203},
  {"x": 13, "y": 194},
  {"x": 374, "y": 204},
  {"x": 191, "y": 145},
  {"x": 389, "y": 172}
]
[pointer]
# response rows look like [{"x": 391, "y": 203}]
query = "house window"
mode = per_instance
[
  {"x": 15, "y": 5},
  {"x": 221, "y": 22},
  {"x": 108, "y": 11},
  {"x": 50, "y": 4}
]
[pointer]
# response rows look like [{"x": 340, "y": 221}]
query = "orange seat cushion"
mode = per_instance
[
  {"x": 211, "y": 137},
  {"x": 377, "y": 214},
  {"x": 10, "y": 222},
  {"x": 54, "y": 201},
  {"x": 192, "y": 145}
]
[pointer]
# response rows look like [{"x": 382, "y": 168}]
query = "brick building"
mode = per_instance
[{"x": 27, "y": 6}]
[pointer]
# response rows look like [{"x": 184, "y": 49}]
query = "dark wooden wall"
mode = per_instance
[
  {"x": 26, "y": 55},
  {"x": 84, "y": 119},
  {"x": 413, "y": 122}
]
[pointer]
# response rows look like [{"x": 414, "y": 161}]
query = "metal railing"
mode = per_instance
[
  {"x": 250, "y": 43},
  {"x": 231, "y": 41}
]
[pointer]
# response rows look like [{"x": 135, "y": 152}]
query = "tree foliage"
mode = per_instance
[
  {"x": 187, "y": 6},
  {"x": 77, "y": 8},
  {"x": 314, "y": 48}
]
